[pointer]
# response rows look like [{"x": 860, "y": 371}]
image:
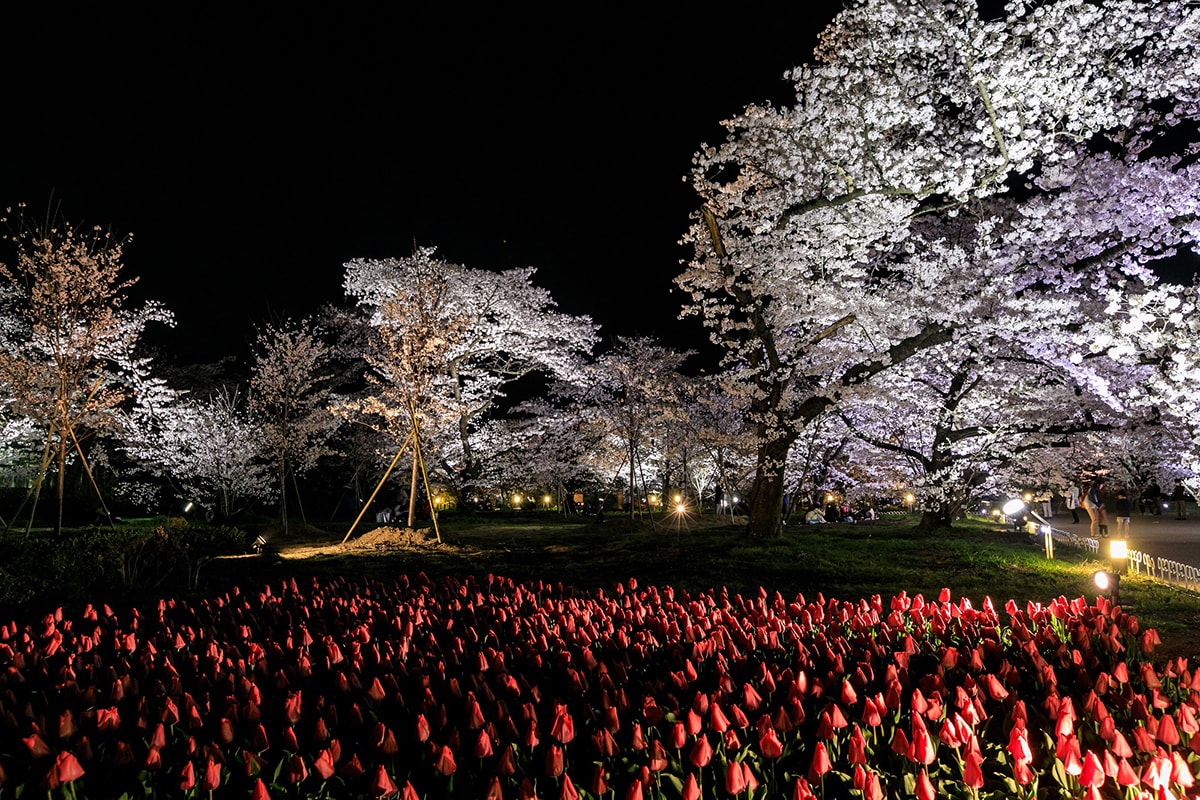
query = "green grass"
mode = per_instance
[{"x": 976, "y": 559}]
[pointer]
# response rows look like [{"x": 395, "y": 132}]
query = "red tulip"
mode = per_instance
[
  {"x": 353, "y": 768},
  {"x": 187, "y": 776},
  {"x": 634, "y": 791},
  {"x": 494, "y": 791},
  {"x": 408, "y": 792},
  {"x": 598, "y": 785},
  {"x": 507, "y": 764},
  {"x": 972, "y": 768},
  {"x": 1167, "y": 733},
  {"x": 769, "y": 744},
  {"x": 702, "y": 752},
  {"x": 1018, "y": 745},
  {"x": 445, "y": 761},
  {"x": 678, "y": 735},
  {"x": 900, "y": 744},
  {"x": 717, "y": 719},
  {"x": 563, "y": 728},
  {"x": 857, "y": 749},
  {"x": 871, "y": 715},
  {"x": 921, "y": 750},
  {"x": 260, "y": 791},
  {"x": 924, "y": 788},
  {"x": 1125, "y": 774},
  {"x": 483, "y": 745},
  {"x": 381, "y": 783},
  {"x": 67, "y": 768},
  {"x": 820, "y": 763},
  {"x": 323, "y": 764},
  {"x": 211, "y": 779},
  {"x": 735, "y": 779},
  {"x": 1093, "y": 770},
  {"x": 296, "y": 769},
  {"x": 554, "y": 761},
  {"x": 658, "y": 756},
  {"x": 873, "y": 791},
  {"x": 637, "y": 740},
  {"x": 37, "y": 746},
  {"x": 691, "y": 788},
  {"x": 750, "y": 697},
  {"x": 801, "y": 790}
]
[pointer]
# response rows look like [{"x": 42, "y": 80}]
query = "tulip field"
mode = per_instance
[{"x": 488, "y": 687}]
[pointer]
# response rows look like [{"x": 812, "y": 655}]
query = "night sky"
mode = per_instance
[{"x": 251, "y": 154}]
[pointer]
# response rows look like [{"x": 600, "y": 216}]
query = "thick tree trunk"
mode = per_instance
[{"x": 766, "y": 494}]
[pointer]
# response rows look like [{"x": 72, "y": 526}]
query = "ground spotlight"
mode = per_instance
[{"x": 1108, "y": 583}]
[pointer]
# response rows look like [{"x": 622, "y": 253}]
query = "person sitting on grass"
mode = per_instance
[{"x": 814, "y": 516}]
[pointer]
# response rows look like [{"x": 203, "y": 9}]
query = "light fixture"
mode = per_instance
[
  {"x": 1016, "y": 506},
  {"x": 1108, "y": 582}
]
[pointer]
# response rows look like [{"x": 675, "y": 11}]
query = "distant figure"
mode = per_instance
[
  {"x": 1093, "y": 506},
  {"x": 1154, "y": 497},
  {"x": 1073, "y": 502},
  {"x": 1124, "y": 509},
  {"x": 1179, "y": 498},
  {"x": 814, "y": 516}
]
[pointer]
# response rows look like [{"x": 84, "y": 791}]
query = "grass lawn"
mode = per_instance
[{"x": 976, "y": 559}]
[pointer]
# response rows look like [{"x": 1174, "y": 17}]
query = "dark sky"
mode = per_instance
[{"x": 252, "y": 153}]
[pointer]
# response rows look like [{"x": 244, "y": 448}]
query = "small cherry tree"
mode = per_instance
[{"x": 290, "y": 396}]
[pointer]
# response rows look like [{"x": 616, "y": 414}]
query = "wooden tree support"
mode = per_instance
[{"x": 413, "y": 438}]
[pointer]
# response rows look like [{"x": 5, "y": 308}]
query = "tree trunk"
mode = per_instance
[
  {"x": 283, "y": 517},
  {"x": 412, "y": 491},
  {"x": 766, "y": 494}
]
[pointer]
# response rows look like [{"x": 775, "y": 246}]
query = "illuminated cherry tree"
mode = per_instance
[
  {"x": 1161, "y": 328},
  {"x": 446, "y": 342},
  {"x": 940, "y": 176},
  {"x": 290, "y": 395},
  {"x": 70, "y": 344},
  {"x": 211, "y": 451}
]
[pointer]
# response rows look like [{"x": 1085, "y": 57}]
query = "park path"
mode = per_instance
[{"x": 1161, "y": 536}]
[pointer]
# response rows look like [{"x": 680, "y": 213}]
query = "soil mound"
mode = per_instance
[{"x": 389, "y": 538}]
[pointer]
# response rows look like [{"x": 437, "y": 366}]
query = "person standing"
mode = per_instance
[
  {"x": 1124, "y": 509},
  {"x": 1153, "y": 497},
  {"x": 1179, "y": 498},
  {"x": 1093, "y": 504},
  {"x": 1073, "y": 501}
]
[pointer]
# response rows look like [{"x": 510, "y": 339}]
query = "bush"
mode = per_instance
[{"x": 120, "y": 565}]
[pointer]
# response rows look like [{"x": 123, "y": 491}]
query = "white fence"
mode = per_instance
[{"x": 1164, "y": 569}]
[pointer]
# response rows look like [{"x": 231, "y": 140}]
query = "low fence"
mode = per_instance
[
  {"x": 1164, "y": 569},
  {"x": 1177, "y": 573}
]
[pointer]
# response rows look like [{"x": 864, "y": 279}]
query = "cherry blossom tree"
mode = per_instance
[
  {"x": 212, "y": 451},
  {"x": 633, "y": 395},
  {"x": 446, "y": 342},
  {"x": 1160, "y": 328},
  {"x": 69, "y": 342},
  {"x": 941, "y": 176},
  {"x": 290, "y": 396}
]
